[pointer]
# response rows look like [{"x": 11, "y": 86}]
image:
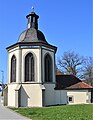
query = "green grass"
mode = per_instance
[{"x": 65, "y": 112}]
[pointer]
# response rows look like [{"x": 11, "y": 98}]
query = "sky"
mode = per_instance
[{"x": 66, "y": 24}]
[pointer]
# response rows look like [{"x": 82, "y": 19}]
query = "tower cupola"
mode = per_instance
[
  {"x": 32, "y": 34},
  {"x": 32, "y": 20}
]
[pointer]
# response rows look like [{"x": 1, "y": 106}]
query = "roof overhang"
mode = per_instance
[{"x": 19, "y": 44}]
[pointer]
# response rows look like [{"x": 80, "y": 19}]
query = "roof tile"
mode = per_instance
[{"x": 70, "y": 82}]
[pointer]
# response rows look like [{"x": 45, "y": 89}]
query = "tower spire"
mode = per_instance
[{"x": 32, "y": 19}]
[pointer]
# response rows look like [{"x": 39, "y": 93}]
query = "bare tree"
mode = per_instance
[
  {"x": 88, "y": 70},
  {"x": 70, "y": 63}
]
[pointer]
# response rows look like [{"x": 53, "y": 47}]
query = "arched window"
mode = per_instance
[
  {"x": 48, "y": 68},
  {"x": 29, "y": 67},
  {"x": 13, "y": 69}
]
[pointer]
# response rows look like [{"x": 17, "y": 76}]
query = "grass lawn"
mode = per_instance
[{"x": 65, "y": 112}]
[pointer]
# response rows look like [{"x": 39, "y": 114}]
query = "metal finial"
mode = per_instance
[{"x": 32, "y": 9}]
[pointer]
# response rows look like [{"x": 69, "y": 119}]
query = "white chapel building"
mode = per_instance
[{"x": 31, "y": 72}]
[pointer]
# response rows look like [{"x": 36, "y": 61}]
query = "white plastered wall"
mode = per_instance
[
  {"x": 79, "y": 96},
  {"x": 54, "y": 97},
  {"x": 20, "y": 63},
  {"x": 49, "y": 96},
  {"x": 11, "y": 95},
  {"x": 31, "y": 95},
  {"x": 52, "y": 54},
  {"x": 60, "y": 97},
  {"x": 17, "y": 52},
  {"x": 36, "y": 54},
  {"x": 49, "y": 93}
]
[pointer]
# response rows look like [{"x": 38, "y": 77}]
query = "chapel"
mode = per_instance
[
  {"x": 31, "y": 67},
  {"x": 32, "y": 79}
]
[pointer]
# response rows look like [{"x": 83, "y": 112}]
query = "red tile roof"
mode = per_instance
[{"x": 70, "y": 82}]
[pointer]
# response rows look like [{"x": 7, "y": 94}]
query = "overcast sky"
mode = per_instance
[{"x": 66, "y": 24}]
